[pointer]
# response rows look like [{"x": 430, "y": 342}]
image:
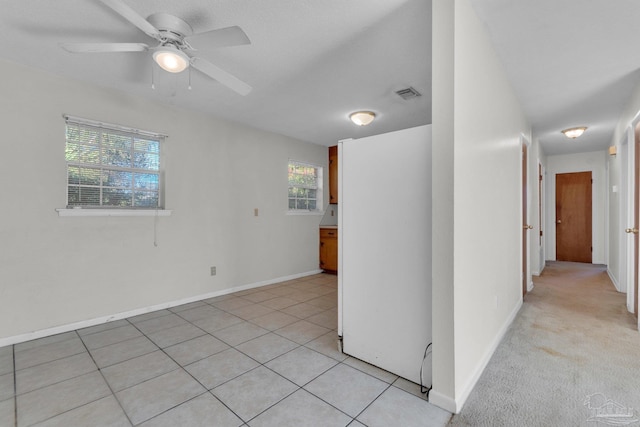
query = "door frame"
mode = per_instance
[
  {"x": 567, "y": 184},
  {"x": 629, "y": 220},
  {"x": 525, "y": 214},
  {"x": 626, "y": 199},
  {"x": 542, "y": 220},
  {"x": 580, "y": 162}
]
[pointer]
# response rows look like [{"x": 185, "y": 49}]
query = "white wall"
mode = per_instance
[
  {"x": 55, "y": 271},
  {"x": 595, "y": 162},
  {"x": 616, "y": 205},
  {"x": 477, "y": 123}
]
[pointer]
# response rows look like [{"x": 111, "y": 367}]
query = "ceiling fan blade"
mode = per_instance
[
  {"x": 223, "y": 37},
  {"x": 103, "y": 47},
  {"x": 134, "y": 17},
  {"x": 220, "y": 75}
]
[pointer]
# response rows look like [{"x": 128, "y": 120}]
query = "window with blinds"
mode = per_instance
[
  {"x": 112, "y": 167},
  {"x": 305, "y": 187}
]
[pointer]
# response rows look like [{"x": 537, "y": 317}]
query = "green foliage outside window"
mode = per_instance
[
  {"x": 111, "y": 169},
  {"x": 303, "y": 187}
]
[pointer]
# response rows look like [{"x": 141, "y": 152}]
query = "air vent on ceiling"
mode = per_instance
[{"x": 408, "y": 93}]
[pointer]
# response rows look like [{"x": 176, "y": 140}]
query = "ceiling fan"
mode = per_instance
[{"x": 175, "y": 38}]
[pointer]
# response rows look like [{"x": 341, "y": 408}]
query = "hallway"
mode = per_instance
[{"x": 572, "y": 339}]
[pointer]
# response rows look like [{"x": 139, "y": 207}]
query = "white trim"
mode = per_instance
[
  {"x": 113, "y": 212},
  {"x": 105, "y": 319},
  {"x": 319, "y": 187},
  {"x": 623, "y": 202},
  {"x": 632, "y": 191},
  {"x": 340, "y": 235},
  {"x": 480, "y": 367},
  {"x": 613, "y": 280},
  {"x": 111, "y": 126},
  {"x": 526, "y": 269},
  {"x": 443, "y": 401},
  {"x": 301, "y": 212}
]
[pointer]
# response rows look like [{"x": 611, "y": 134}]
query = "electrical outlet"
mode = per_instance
[{"x": 213, "y": 271}]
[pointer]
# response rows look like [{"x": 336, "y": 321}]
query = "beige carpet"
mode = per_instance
[{"x": 572, "y": 339}]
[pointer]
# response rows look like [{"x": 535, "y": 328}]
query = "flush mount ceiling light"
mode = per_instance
[
  {"x": 362, "y": 118},
  {"x": 171, "y": 59},
  {"x": 573, "y": 133}
]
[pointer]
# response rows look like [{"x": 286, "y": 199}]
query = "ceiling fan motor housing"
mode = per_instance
[{"x": 172, "y": 28}]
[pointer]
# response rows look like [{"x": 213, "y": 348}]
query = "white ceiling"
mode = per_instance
[
  {"x": 571, "y": 63},
  {"x": 312, "y": 62}
]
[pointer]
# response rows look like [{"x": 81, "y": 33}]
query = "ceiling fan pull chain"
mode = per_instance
[
  {"x": 189, "y": 78},
  {"x": 153, "y": 83}
]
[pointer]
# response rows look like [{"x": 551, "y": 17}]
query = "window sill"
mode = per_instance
[
  {"x": 114, "y": 212},
  {"x": 320, "y": 213}
]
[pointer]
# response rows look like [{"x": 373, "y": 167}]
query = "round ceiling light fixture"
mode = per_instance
[
  {"x": 573, "y": 133},
  {"x": 362, "y": 118},
  {"x": 171, "y": 59}
]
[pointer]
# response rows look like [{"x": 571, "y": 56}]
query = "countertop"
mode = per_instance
[{"x": 333, "y": 227}]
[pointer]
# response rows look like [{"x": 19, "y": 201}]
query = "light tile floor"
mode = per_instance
[{"x": 261, "y": 357}]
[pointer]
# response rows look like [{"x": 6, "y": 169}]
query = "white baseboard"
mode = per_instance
[
  {"x": 105, "y": 319},
  {"x": 443, "y": 401},
  {"x": 462, "y": 397},
  {"x": 539, "y": 271},
  {"x": 614, "y": 280}
]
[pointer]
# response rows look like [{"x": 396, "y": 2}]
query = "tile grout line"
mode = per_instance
[
  {"x": 54, "y": 383},
  {"x": 48, "y": 361},
  {"x": 260, "y": 364},
  {"x": 371, "y": 403},
  {"x": 249, "y": 321},
  {"x": 307, "y": 383},
  {"x": 270, "y": 370},
  {"x": 107, "y": 383},
  {"x": 206, "y": 389},
  {"x": 77, "y": 376},
  {"x": 287, "y": 379}
]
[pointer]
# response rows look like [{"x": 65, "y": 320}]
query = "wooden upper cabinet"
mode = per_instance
[{"x": 333, "y": 174}]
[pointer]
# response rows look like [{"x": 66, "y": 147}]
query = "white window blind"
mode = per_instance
[
  {"x": 109, "y": 166},
  {"x": 305, "y": 187}
]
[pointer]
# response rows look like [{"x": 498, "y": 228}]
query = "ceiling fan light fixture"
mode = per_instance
[
  {"x": 171, "y": 59},
  {"x": 362, "y": 118},
  {"x": 573, "y": 133}
]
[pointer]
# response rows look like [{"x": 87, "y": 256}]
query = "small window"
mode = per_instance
[
  {"x": 112, "y": 167},
  {"x": 305, "y": 187}
]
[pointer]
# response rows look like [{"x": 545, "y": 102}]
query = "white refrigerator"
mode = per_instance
[{"x": 384, "y": 272}]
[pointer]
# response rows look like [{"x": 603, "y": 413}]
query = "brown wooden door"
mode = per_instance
[
  {"x": 333, "y": 174},
  {"x": 525, "y": 225},
  {"x": 573, "y": 217}
]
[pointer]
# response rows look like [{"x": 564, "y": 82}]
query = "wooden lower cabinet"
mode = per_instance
[{"x": 329, "y": 250}]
